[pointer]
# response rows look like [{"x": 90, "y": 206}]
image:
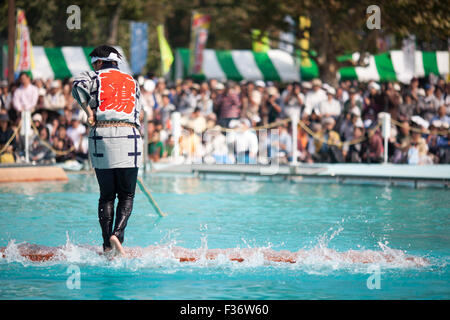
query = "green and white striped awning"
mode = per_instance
[
  {"x": 66, "y": 62},
  {"x": 390, "y": 66},
  {"x": 273, "y": 65}
]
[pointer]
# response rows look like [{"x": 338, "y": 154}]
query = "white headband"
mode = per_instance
[{"x": 112, "y": 57}]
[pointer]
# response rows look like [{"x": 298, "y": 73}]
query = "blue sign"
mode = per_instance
[{"x": 139, "y": 46}]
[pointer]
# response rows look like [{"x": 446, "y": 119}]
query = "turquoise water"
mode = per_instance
[{"x": 322, "y": 220}]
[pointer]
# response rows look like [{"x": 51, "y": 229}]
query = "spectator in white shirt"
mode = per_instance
[
  {"x": 292, "y": 99},
  {"x": 314, "y": 97},
  {"x": 76, "y": 131},
  {"x": 26, "y": 96},
  {"x": 54, "y": 100},
  {"x": 330, "y": 107}
]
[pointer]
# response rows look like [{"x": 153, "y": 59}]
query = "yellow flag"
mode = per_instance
[
  {"x": 262, "y": 45},
  {"x": 165, "y": 51},
  {"x": 305, "y": 25}
]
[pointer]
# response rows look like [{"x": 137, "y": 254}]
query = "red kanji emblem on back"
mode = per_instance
[{"x": 117, "y": 91}]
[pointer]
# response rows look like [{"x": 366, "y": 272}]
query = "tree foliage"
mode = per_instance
[{"x": 338, "y": 27}]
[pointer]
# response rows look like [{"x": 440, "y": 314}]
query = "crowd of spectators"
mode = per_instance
[{"x": 243, "y": 122}]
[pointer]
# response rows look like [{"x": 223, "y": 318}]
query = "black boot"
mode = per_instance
[
  {"x": 105, "y": 217},
  {"x": 124, "y": 208}
]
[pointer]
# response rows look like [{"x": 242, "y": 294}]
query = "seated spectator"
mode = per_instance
[
  {"x": 63, "y": 144},
  {"x": 430, "y": 104},
  {"x": 352, "y": 103},
  {"x": 407, "y": 108},
  {"x": 255, "y": 98},
  {"x": 37, "y": 120},
  {"x": 418, "y": 150},
  {"x": 197, "y": 122},
  {"x": 272, "y": 105},
  {"x": 76, "y": 131},
  {"x": 165, "y": 109},
  {"x": 40, "y": 153},
  {"x": 169, "y": 146},
  {"x": 373, "y": 102},
  {"x": 246, "y": 143},
  {"x": 5, "y": 97},
  {"x": 190, "y": 145},
  {"x": 303, "y": 142},
  {"x": 354, "y": 152},
  {"x": 375, "y": 150},
  {"x": 7, "y": 156},
  {"x": 282, "y": 146},
  {"x": 155, "y": 147},
  {"x": 216, "y": 150},
  {"x": 327, "y": 146},
  {"x": 54, "y": 100},
  {"x": 432, "y": 140},
  {"x": 402, "y": 144},
  {"x": 442, "y": 115},
  {"x": 348, "y": 126},
  {"x": 204, "y": 102}
]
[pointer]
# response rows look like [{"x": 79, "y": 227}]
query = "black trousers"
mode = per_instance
[{"x": 120, "y": 183}]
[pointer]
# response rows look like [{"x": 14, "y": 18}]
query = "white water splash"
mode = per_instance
[{"x": 318, "y": 260}]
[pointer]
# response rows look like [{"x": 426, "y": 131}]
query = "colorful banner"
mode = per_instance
[
  {"x": 23, "y": 60},
  {"x": 165, "y": 51},
  {"x": 260, "y": 43},
  {"x": 139, "y": 46},
  {"x": 199, "y": 36}
]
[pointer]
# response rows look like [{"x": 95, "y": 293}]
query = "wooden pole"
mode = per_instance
[
  {"x": 149, "y": 197},
  {"x": 11, "y": 38}
]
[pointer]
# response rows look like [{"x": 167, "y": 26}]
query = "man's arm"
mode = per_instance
[{"x": 81, "y": 95}]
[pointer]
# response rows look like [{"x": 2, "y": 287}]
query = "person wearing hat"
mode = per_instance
[
  {"x": 373, "y": 101},
  {"x": 430, "y": 104},
  {"x": 353, "y": 153},
  {"x": 326, "y": 147},
  {"x": 314, "y": 97},
  {"x": 5, "y": 96},
  {"x": 418, "y": 150},
  {"x": 111, "y": 100},
  {"x": 246, "y": 142},
  {"x": 352, "y": 102},
  {"x": 272, "y": 105},
  {"x": 255, "y": 94},
  {"x": 228, "y": 105},
  {"x": 54, "y": 99},
  {"x": 76, "y": 131},
  {"x": 330, "y": 107}
]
